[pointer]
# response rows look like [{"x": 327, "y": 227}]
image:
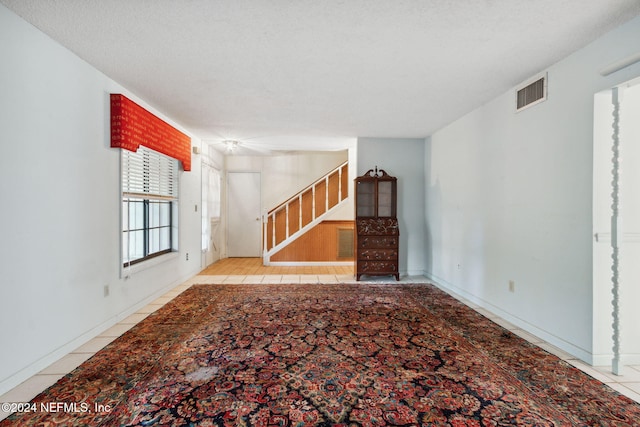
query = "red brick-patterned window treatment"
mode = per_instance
[{"x": 132, "y": 126}]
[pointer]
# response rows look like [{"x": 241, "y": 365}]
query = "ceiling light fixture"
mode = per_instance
[{"x": 231, "y": 145}]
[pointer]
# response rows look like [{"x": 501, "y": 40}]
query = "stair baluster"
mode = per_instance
[{"x": 274, "y": 239}]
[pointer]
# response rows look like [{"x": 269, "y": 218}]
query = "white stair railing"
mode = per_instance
[{"x": 300, "y": 213}]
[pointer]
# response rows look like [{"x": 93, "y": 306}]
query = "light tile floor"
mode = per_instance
[{"x": 627, "y": 384}]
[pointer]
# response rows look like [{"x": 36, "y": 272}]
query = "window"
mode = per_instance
[{"x": 149, "y": 205}]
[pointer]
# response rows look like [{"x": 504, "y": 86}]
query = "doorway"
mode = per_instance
[
  {"x": 211, "y": 202},
  {"x": 616, "y": 112},
  {"x": 244, "y": 214}
]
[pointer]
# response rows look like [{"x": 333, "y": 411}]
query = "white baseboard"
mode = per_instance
[
  {"x": 34, "y": 368},
  {"x": 606, "y": 359},
  {"x": 309, "y": 263},
  {"x": 565, "y": 346}
]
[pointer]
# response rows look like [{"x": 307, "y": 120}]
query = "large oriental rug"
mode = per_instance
[{"x": 300, "y": 355}]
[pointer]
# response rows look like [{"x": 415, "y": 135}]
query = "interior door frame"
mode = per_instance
[
  {"x": 229, "y": 213},
  {"x": 213, "y": 252},
  {"x": 615, "y": 293}
]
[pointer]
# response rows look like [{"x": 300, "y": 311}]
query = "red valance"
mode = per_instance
[{"x": 132, "y": 126}]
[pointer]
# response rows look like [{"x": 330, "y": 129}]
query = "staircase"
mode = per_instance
[{"x": 303, "y": 211}]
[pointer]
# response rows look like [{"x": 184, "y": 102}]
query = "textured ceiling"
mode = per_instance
[{"x": 289, "y": 72}]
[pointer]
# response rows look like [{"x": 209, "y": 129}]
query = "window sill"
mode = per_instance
[{"x": 127, "y": 271}]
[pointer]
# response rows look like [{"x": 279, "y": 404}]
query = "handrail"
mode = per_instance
[
  {"x": 304, "y": 190},
  {"x": 294, "y": 218}
]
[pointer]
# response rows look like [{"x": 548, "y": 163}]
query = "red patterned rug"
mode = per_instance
[{"x": 320, "y": 355}]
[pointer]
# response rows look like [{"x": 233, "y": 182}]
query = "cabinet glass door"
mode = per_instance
[
  {"x": 385, "y": 199},
  {"x": 365, "y": 200}
]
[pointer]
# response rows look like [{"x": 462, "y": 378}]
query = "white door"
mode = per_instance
[{"x": 244, "y": 224}]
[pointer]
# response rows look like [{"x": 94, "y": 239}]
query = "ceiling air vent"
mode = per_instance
[{"x": 531, "y": 93}]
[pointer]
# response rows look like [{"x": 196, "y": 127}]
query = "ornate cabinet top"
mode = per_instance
[
  {"x": 377, "y": 173},
  {"x": 376, "y": 194}
]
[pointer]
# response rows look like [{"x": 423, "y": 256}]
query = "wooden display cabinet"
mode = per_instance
[{"x": 377, "y": 234}]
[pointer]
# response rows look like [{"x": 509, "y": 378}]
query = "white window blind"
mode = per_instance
[
  {"x": 149, "y": 174},
  {"x": 149, "y": 205}
]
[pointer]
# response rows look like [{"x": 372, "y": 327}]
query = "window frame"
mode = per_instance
[{"x": 147, "y": 178}]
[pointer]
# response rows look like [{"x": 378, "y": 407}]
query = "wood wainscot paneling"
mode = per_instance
[
  {"x": 321, "y": 198},
  {"x": 307, "y": 207},
  {"x": 323, "y": 243},
  {"x": 294, "y": 216},
  {"x": 281, "y": 225},
  {"x": 345, "y": 182},
  {"x": 334, "y": 184}
]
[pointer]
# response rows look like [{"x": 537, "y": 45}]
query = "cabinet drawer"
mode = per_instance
[
  {"x": 377, "y": 226},
  {"x": 378, "y": 254},
  {"x": 377, "y": 242},
  {"x": 377, "y": 266}
]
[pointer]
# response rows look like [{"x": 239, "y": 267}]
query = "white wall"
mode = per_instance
[
  {"x": 60, "y": 214},
  {"x": 508, "y": 198},
  {"x": 402, "y": 158},
  {"x": 284, "y": 175}
]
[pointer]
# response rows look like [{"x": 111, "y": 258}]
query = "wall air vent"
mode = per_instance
[
  {"x": 345, "y": 242},
  {"x": 531, "y": 93}
]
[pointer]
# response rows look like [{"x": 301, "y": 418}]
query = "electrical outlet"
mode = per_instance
[
  {"x": 106, "y": 290},
  {"x": 187, "y": 256},
  {"x": 512, "y": 286}
]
